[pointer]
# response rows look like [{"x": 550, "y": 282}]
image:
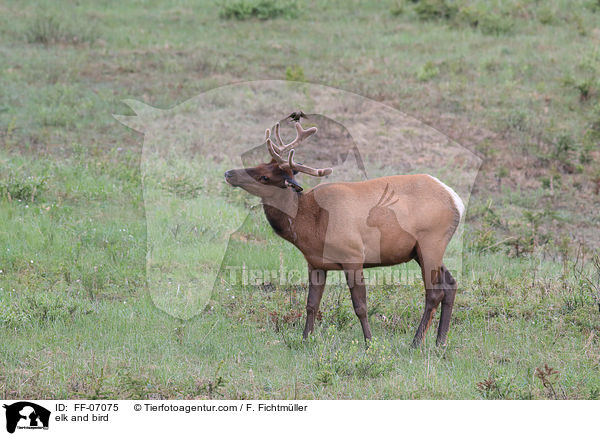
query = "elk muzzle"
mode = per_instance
[{"x": 238, "y": 178}]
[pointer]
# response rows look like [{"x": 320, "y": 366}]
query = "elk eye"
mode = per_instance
[{"x": 264, "y": 179}]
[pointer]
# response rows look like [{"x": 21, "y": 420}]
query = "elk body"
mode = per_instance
[{"x": 355, "y": 225}]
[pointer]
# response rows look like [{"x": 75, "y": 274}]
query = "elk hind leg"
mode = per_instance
[
  {"x": 434, "y": 292},
  {"x": 450, "y": 286}
]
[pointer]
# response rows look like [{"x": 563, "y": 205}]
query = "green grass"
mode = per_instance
[
  {"x": 79, "y": 311},
  {"x": 73, "y": 294}
]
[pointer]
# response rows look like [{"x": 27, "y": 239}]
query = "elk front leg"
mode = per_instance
[
  {"x": 316, "y": 284},
  {"x": 358, "y": 292}
]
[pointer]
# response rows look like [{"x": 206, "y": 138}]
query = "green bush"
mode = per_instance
[
  {"x": 593, "y": 5},
  {"x": 427, "y": 72},
  {"x": 48, "y": 29},
  {"x": 22, "y": 311},
  {"x": 484, "y": 240},
  {"x": 517, "y": 120},
  {"x": 397, "y": 9},
  {"x": 337, "y": 358},
  {"x": 295, "y": 73},
  {"x": 475, "y": 15},
  {"x": 563, "y": 147},
  {"x": 546, "y": 16},
  {"x": 428, "y": 10},
  {"x": 261, "y": 10},
  {"x": 21, "y": 188},
  {"x": 489, "y": 23}
]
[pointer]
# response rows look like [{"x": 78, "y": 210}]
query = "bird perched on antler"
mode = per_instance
[{"x": 295, "y": 116}]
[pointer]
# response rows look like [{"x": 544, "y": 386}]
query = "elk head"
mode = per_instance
[{"x": 266, "y": 180}]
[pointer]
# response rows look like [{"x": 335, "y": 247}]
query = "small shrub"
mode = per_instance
[
  {"x": 585, "y": 81},
  {"x": 546, "y": 16},
  {"x": 41, "y": 308},
  {"x": 48, "y": 29},
  {"x": 21, "y": 188},
  {"x": 97, "y": 386},
  {"x": 502, "y": 172},
  {"x": 375, "y": 361},
  {"x": 593, "y": 5},
  {"x": 585, "y": 154},
  {"x": 526, "y": 235},
  {"x": 428, "y": 10},
  {"x": 487, "y": 22},
  {"x": 397, "y": 9},
  {"x": 295, "y": 73},
  {"x": 550, "y": 380},
  {"x": 292, "y": 339},
  {"x": 587, "y": 280},
  {"x": 484, "y": 240},
  {"x": 563, "y": 146},
  {"x": 134, "y": 386},
  {"x": 494, "y": 25},
  {"x": 593, "y": 134},
  {"x": 261, "y": 10},
  {"x": 325, "y": 376},
  {"x": 279, "y": 320},
  {"x": 44, "y": 30},
  {"x": 336, "y": 358},
  {"x": 516, "y": 120},
  {"x": 574, "y": 299},
  {"x": 580, "y": 25},
  {"x": 586, "y": 89},
  {"x": 212, "y": 386},
  {"x": 554, "y": 181},
  {"x": 427, "y": 72},
  {"x": 494, "y": 389},
  {"x": 340, "y": 315},
  {"x": 475, "y": 16}
]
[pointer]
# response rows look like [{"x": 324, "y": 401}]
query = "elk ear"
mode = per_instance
[{"x": 293, "y": 184}]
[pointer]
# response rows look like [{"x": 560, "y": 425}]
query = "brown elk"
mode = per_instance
[{"x": 350, "y": 226}]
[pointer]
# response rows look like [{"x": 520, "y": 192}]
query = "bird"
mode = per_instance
[{"x": 295, "y": 116}]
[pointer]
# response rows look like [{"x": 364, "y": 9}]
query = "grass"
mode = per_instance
[{"x": 78, "y": 312}]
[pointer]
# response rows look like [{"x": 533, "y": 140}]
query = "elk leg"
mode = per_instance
[
  {"x": 434, "y": 294},
  {"x": 358, "y": 292},
  {"x": 316, "y": 284},
  {"x": 447, "y": 304}
]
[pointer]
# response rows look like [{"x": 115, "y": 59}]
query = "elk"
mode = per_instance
[{"x": 350, "y": 226}]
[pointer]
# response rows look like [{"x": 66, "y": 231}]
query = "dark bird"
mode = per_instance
[{"x": 295, "y": 116}]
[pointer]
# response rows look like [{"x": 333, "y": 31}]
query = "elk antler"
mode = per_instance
[
  {"x": 318, "y": 172},
  {"x": 273, "y": 149},
  {"x": 276, "y": 151}
]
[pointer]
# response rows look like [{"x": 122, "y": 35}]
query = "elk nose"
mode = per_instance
[{"x": 228, "y": 174}]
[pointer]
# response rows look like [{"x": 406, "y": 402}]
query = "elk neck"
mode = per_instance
[{"x": 282, "y": 210}]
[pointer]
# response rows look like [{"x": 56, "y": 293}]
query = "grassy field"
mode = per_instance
[{"x": 517, "y": 82}]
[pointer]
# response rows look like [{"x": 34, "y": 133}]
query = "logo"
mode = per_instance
[
  {"x": 197, "y": 234},
  {"x": 26, "y": 415}
]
